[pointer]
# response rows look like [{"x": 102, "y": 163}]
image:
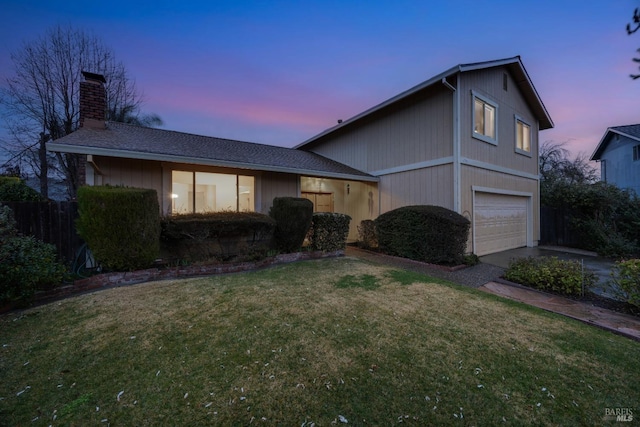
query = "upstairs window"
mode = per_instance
[
  {"x": 636, "y": 153},
  {"x": 196, "y": 192},
  {"x": 485, "y": 119},
  {"x": 523, "y": 137}
]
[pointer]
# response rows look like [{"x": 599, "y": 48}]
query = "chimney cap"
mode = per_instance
[{"x": 93, "y": 76}]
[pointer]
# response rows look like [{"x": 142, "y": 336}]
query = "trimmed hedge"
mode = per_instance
[
  {"x": 367, "y": 234},
  {"x": 550, "y": 274},
  {"x": 626, "y": 277},
  {"x": 293, "y": 217},
  {"x": 26, "y": 264},
  {"x": 329, "y": 231},
  {"x": 120, "y": 225},
  {"x": 424, "y": 233},
  {"x": 13, "y": 189},
  {"x": 216, "y": 235}
]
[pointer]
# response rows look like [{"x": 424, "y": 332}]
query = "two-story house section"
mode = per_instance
[
  {"x": 619, "y": 155},
  {"x": 466, "y": 139}
]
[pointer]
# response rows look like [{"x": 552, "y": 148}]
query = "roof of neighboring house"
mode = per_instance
[
  {"x": 136, "y": 142},
  {"x": 629, "y": 131},
  {"x": 514, "y": 65}
]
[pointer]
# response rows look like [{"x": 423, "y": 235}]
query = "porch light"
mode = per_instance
[{"x": 174, "y": 196}]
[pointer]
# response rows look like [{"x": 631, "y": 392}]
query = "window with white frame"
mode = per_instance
[
  {"x": 196, "y": 192},
  {"x": 523, "y": 137},
  {"x": 485, "y": 119}
]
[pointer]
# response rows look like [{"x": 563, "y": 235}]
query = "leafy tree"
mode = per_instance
[
  {"x": 43, "y": 101},
  {"x": 632, "y": 29}
]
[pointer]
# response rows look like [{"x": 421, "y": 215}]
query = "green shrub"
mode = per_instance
[
  {"x": 216, "y": 235},
  {"x": 367, "y": 235},
  {"x": 425, "y": 233},
  {"x": 551, "y": 274},
  {"x": 626, "y": 278},
  {"x": 293, "y": 217},
  {"x": 13, "y": 189},
  {"x": 120, "y": 225},
  {"x": 329, "y": 231},
  {"x": 26, "y": 264}
]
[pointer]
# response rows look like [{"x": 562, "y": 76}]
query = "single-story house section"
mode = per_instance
[
  {"x": 619, "y": 155},
  {"x": 467, "y": 139}
]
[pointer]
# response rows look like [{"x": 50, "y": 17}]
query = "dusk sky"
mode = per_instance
[{"x": 279, "y": 72}]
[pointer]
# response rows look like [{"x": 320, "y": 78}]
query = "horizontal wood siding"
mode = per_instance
[
  {"x": 489, "y": 83},
  {"x": 412, "y": 131},
  {"x": 428, "y": 186}
]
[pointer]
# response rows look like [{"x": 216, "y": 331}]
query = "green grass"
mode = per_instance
[{"x": 307, "y": 343}]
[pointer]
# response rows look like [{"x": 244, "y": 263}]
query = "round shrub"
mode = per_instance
[
  {"x": 26, "y": 264},
  {"x": 626, "y": 278},
  {"x": 424, "y": 233},
  {"x": 13, "y": 189},
  {"x": 120, "y": 225},
  {"x": 293, "y": 217},
  {"x": 367, "y": 234}
]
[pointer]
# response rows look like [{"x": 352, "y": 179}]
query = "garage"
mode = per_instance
[{"x": 500, "y": 222}]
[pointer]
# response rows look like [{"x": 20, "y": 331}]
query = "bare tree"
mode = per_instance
[
  {"x": 632, "y": 29},
  {"x": 43, "y": 101}
]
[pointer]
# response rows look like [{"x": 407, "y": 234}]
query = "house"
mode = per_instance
[
  {"x": 466, "y": 139},
  {"x": 619, "y": 155}
]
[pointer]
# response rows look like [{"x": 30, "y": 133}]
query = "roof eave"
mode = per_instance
[
  {"x": 604, "y": 141},
  {"x": 107, "y": 152}
]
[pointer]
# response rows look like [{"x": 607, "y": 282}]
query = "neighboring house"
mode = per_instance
[
  {"x": 466, "y": 139},
  {"x": 619, "y": 155}
]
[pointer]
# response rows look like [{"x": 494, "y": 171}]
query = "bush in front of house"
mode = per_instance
[
  {"x": 626, "y": 278},
  {"x": 424, "y": 233},
  {"x": 329, "y": 231},
  {"x": 13, "y": 189},
  {"x": 216, "y": 235},
  {"x": 121, "y": 225},
  {"x": 26, "y": 264},
  {"x": 565, "y": 277},
  {"x": 293, "y": 217},
  {"x": 367, "y": 234}
]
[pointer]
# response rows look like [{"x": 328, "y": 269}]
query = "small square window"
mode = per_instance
[
  {"x": 523, "y": 136},
  {"x": 485, "y": 119}
]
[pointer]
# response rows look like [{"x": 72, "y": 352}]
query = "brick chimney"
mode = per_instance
[{"x": 93, "y": 101}]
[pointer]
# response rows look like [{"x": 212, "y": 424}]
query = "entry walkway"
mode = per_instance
[{"x": 486, "y": 277}]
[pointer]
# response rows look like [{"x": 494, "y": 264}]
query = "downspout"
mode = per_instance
[{"x": 456, "y": 144}]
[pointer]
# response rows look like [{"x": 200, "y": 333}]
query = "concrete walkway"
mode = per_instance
[{"x": 486, "y": 277}]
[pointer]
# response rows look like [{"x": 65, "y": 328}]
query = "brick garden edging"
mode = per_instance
[{"x": 107, "y": 280}]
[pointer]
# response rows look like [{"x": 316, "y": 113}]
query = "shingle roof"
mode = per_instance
[
  {"x": 129, "y": 141},
  {"x": 630, "y": 131}
]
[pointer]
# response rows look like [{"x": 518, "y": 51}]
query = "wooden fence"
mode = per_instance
[
  {"x": 51, "y": 222},
  {"x": 555, "y": 228}
]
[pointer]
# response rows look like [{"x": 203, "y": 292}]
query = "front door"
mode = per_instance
[{"x": 322, "y": 202}]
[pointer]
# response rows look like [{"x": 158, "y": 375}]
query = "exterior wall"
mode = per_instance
[
  {"x": 417, "y": 130},
  {"x": 619, "y": 167},
  {"x": 474, "y": 177},
  {"x": 427, "y": 186},
  {"x": 357, "y": 199},
  {"x": 510, "y": 102},
  {"x": 157, "y": 175}
]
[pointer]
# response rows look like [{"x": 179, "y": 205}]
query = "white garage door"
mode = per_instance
[{"x": 500, "y": 222}]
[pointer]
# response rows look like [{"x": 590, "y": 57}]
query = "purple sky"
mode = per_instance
[{"x": 279, "y": 72}]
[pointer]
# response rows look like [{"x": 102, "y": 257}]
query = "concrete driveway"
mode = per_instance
[{"x": 598, "y": 265}]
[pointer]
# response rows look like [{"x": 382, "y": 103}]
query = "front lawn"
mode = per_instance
[{"x": 323, "y": 342}]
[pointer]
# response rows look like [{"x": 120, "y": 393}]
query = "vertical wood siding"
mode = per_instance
[{"x": 418, "y": 129}]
